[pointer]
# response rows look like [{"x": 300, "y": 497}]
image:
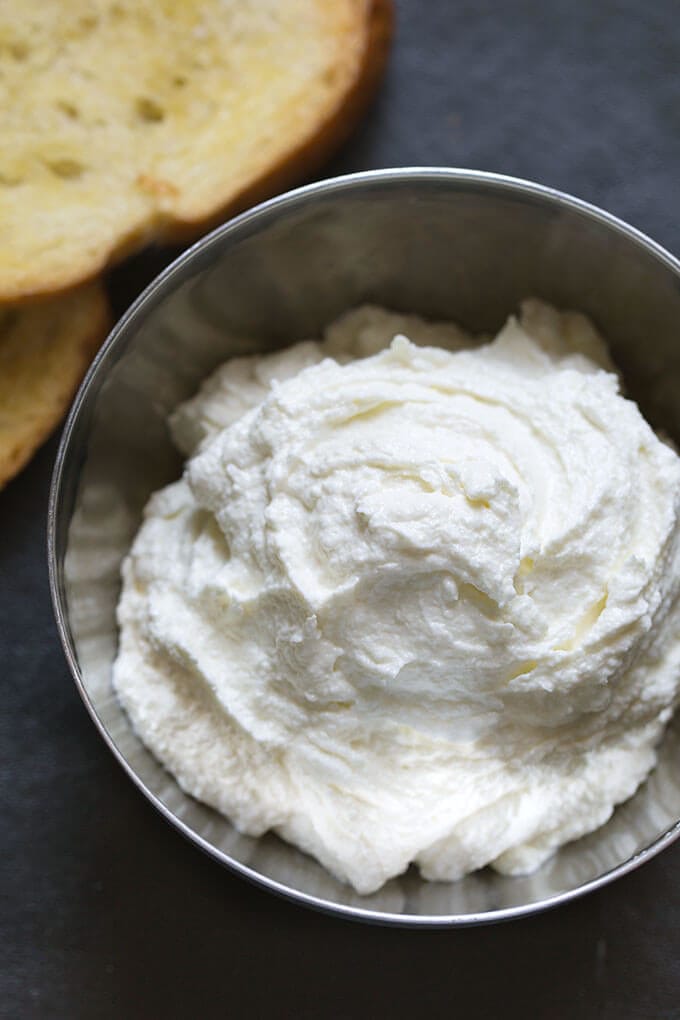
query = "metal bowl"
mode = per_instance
[{"x": 445, "y": 243}]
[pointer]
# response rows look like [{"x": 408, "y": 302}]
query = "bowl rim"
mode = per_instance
[{"x": 149, "y": 298}]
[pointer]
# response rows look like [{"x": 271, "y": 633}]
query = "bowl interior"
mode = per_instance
[{"x": 452, "y": 245}]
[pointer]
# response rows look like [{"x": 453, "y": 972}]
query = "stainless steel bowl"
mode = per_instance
[{"x": 447, "y": 243}]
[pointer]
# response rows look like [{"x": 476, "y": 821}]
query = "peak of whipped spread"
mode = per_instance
[{"x": 415, "y": 598}]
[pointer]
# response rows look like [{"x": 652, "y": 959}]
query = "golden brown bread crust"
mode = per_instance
[
  {"x": 320, "y": 145},
  {"x": 45, "y": 350},
  {"x": 365, "y": 43}
]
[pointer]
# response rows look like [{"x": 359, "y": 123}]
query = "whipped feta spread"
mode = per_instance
[{"x": 415, "y": 598}]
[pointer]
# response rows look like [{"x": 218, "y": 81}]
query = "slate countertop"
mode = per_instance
[{"x": 106, "y": 911}]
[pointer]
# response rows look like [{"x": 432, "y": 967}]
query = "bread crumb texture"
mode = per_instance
[
  {"x": 122, "y": 121},
  {"x": 45, "y": 350}
]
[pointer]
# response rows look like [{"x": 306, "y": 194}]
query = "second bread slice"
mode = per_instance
[{"x": 45, "y": 350}]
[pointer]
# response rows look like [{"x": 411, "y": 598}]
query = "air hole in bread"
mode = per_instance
[
  {"x": 69, "y": 109},
  {"x": 149, "y": 110},
  {"x": 179, "y": 81},
  {"x": 20, "y": 50},
  {"x": 67, "y": 169},
  {"x": 330, "y": 76},
  {"x": 88, "y": 22},
  {"x": 8, "y": 180}
]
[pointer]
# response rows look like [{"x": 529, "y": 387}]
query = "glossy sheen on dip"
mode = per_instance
[{"x": 414, "y": 600}]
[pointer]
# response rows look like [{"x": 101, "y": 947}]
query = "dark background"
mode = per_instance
[{"x": 106, "y": 911}]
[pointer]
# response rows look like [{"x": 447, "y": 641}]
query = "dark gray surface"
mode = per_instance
[{"x": 106, "y": 912}]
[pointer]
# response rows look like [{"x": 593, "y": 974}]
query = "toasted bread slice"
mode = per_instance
[
  {"x": 45, "y": 350},
  {"x": 124, "y": 120}
]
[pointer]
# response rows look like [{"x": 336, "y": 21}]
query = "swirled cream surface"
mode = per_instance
[{"x": 415, "y": 598}]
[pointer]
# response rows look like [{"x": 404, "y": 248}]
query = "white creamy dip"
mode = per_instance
[{"x": 410, "y": 603}]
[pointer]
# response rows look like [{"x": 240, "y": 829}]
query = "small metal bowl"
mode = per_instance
[{"x": 453, "y": 244}]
